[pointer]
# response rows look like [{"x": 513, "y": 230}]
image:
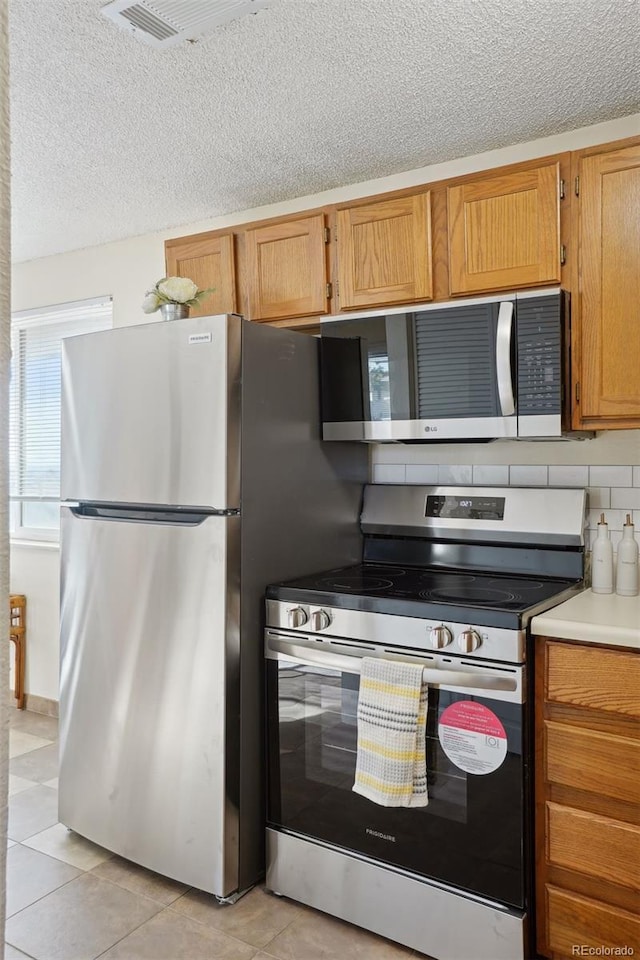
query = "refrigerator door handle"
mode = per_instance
[{"x": 187, "y": 518}]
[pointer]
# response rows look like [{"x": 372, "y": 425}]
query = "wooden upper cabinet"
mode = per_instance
[
  {"x": 609, "y": 265},
  {"x": 504, "y": 231},
  {"x": 287, "y": 269},
  {"x": 209, "y": 262},
  {"x": 384, "y": 252}
]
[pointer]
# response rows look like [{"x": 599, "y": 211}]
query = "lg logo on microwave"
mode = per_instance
[
  {"x": 381, "y": 836},
  {"x": 429, "y": 429}
]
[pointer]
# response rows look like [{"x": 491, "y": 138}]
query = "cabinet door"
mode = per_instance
[
  {"x": 384, "y": 252},
  {"x": 209, "y": 262},
  {"x": 610, "y": 286},
  {"x": 287, "y": 269},
  {"x": 578, "y": 921},
  {"x": 587, "y": 815},
  {"x": 504, "y": 231}
]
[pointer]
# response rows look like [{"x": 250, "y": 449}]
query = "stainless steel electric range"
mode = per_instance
[{"x": 450, "y": 578}]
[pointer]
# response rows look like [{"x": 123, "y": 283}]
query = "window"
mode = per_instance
[{"x": 34, "y": 410}]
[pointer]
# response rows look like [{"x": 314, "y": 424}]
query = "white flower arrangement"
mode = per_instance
[{"x": 173, "y": 290}]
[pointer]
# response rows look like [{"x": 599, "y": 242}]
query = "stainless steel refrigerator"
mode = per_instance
[{"x": 193, "y": 475}]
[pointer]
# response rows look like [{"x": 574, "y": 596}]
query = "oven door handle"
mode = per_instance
[
  {"x": 312, "y": 652},
  {"x": 504, "y": 332}
]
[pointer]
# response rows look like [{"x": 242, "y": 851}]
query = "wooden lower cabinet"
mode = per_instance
[
  {"x": 576, "y": 922},
  {"x": 587, "y": 800}
]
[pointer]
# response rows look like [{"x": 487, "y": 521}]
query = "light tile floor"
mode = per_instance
[{"x": 68, "y": 899}]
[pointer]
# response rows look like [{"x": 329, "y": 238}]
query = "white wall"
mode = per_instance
[
  {"x": 35, "y": 572},
  {"x": 127, "y": 268}
]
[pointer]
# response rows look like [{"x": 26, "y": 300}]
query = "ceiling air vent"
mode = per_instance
[{"x": 163, "y": 23}]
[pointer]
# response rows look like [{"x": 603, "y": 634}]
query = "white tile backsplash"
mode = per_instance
[
  {"x": 610, "y": 476},
  {"x": 491, "y": 476},
  {"x": 422, "y": 473},
  {"x": 615, "y": 518},
  {"x": 455, "y": 474},
  {"x": 529, "y": 475},
  {"x": 568, "y": 476},
  {"x": 599, "y": 497},
  {"x": 389, "y": 473},
  {"x": 636, "y": 476},
  {"x": 628, "y": 499}
]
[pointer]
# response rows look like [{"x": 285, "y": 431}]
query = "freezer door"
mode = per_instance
[
  {"x": 149, "y": 693},
  {"x": 151, "y": 414}
]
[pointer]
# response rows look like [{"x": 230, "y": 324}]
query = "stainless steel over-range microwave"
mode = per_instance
[{"x": 480, "y": 369}]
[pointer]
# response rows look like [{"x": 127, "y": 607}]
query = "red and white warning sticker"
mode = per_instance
[{"x": 472, "y": 737}]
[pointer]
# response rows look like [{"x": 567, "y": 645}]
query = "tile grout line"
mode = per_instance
[
  {"x": 300, "y": 907},
  {"x": 31, "y": 957},
  {"x": 128, "y": 934},
  {"x": 120, "y": 886},
  {"x": 224, "y": 932},
  {"x": 182, "y": 916},
  {"x": 43, "y": 897}
]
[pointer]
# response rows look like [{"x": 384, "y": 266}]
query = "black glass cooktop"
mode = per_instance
[{"x": 424, "y": 592}]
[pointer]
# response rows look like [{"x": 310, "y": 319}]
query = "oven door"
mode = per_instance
[{"x": 471, "y": 835}]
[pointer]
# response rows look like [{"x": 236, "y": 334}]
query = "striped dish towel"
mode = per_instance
[{"x": 391, "y": 767}]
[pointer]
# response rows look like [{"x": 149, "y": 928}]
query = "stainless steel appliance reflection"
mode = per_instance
[
  {"x": 450, "y": 580},
  {"x": 191, "y": 470},
  {"x": 482, "y": 368}
]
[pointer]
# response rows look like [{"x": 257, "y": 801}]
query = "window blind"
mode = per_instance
[{"x": 35, "y": 391}]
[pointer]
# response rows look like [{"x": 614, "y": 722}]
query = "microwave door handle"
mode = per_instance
[
  {"x": 504, "y": 333},
  {"x": 310, "y": 651}
]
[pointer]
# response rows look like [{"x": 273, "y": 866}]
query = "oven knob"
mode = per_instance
[
  {"x": 469, "y": 640},
  {"x": 440, "y": 636},
  {"x": 320, "y": 619},
  {"x": 297, "y": 617}
]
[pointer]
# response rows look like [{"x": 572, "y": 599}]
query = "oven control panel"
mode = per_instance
[{"x": 455, "y": 639}]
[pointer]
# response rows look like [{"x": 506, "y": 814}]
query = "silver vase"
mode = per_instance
[{"x": 174, "y": 311}]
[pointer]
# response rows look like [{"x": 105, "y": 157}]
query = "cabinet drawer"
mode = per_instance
[
  {"x": 574, "y": 921},
  {"x": 587, "y": 760},
  {"x": 593, "y": 845},
  {"x": 604, "y": 680}
]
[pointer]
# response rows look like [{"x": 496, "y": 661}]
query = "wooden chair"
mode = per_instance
[{"x": 18, "y": 634}]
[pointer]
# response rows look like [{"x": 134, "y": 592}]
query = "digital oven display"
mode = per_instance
[{"x": 466, "y": 508}]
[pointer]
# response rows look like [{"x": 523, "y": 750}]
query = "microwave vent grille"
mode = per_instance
[
  {"x": 456, "y": 379},
  {"x": 539, "y": 356}
]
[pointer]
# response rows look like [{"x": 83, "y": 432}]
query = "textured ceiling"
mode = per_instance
[{"x": 111, "y": 138}]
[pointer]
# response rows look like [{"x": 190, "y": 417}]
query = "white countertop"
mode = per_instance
[{"x": 593, "y": 618}]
